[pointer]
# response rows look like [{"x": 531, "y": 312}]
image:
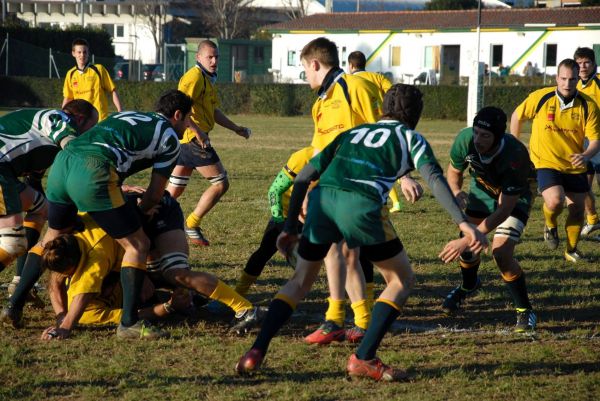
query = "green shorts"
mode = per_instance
[
  {"x": 10, "y": 188},
  {"x": 335, "y": 214},
  {"x": 88, "y": 182},
  {"x": 481, "y": 204}
]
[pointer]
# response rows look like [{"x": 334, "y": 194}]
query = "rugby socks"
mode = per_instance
[
  {"x": 244, "y": 283},
  {"x": 573, "y": 228},
  {"x": 280, "y": 310},
  {"x": 32, "y": 235},
  {"x": 592, "y": 219},
  {"x": 367, "y": 268},
  {"x": 370, "y": 294},
  {"x": 193, "y": 221},
  {"x": 468, "y": 270},
  {"x": 383, "y": 315},
  {"x": 336, "y": 312},
  {"x": 362, "y": 313},
  {"x": 132, "y": 281},
  {"x": 32, "y": 270},
  {"x": 550, "y": 217},
  {"x": 396, "y": 203},
  {"x": 228, "y": 296},
  {"x": 518, "y": 292}
]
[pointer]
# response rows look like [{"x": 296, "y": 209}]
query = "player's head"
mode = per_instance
[
  {"x": 80, "y": 49},
  {"x": 61, "y": 255},
  {"x": 403, "y": 103},
  {"x": 83, "y": 114},
  {"x": 566, "y": 77},
  {"x": 357, "y": 61},
  {"x": 489, "y": 127},
  {"x": 208, "y": 55},
  {"x": 318, "y": 57},
  {"x": 586, "y": 60},
  {"x": 176, "y": 106}
]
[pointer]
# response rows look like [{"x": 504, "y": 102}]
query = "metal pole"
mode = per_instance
[
  {"x": 357, "y": 5},
  {"x": 7, "y": 54},
  {"x": 82, "y": 14},
  {"x": 3, "y": 11},
  {"x": 50, "y": 63},
  {"x": 479, "y": 98}
]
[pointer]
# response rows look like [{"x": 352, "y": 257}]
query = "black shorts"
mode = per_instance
[
  {"x": 193, "y": 155},
  {"x": 576, "y": 183}
]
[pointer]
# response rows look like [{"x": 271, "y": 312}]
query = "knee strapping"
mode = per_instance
[
  {"x": 13, "y": 240},
  {"x": 175, "y": 260},
  {"x": 469, "y": 259},
  {"x": 217, "y": 179},
  {"x": 180, "y": 181}
]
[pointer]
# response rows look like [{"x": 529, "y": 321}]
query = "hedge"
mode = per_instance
[{"x": 445, "y": 102}]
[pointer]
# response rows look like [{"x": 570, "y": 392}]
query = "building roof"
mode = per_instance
[{"x": 443, "y": 20}]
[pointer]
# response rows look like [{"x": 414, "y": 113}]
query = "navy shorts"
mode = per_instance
[
  {"x": 193, "y": 155},
  {"x": 593, "y": 168},
  {"x": 576, "y": 183}
]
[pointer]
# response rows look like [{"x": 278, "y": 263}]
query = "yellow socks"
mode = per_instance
[
  {"x": 362, "y": 313},
  {"x": 573, "y": 229},
  {"x": 336, "y": 312},
  {"x": 193, "y": 220},
  {"x": 592, "y": 219},
  {"x": 550, "y": 217},
  {"x": 244, "y": 283},
  {"x": 227, "y": 295}
]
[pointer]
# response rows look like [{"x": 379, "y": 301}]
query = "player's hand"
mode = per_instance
[
  {"x": 203, "y": 139},
  {"x": 477, "y": 240},
  {"x": 578, "y": 160},
  {"x": 453, "y": 249},
  {"x": 286, "y": 242},
  {"x": 461, "y": 198},
  {"x": 55, "y": 333},
  {"x": 412, "y": 190},
  {"x": 133, "y": 188},
  {"x": 244, "y": 132}
]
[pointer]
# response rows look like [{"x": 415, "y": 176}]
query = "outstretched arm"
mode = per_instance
[{"x": 224, "y": 121}]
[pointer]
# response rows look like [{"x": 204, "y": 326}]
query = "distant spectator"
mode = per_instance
[{"x": 529, "y": 70}]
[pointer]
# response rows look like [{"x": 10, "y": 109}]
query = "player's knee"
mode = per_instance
[
  {"x": 511, "y": 274},
  {"x": 13, "y": 241},
  {"x": 469, "y": 259},
  {"x": 179, "y": 182},
  {"x": 221, "y": 181}
]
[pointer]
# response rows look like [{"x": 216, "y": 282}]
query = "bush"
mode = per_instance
[{"x": 444, "y": 102}]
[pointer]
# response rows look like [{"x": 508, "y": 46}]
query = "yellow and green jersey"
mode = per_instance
[
  {"x": 379, "y": 80},
  {"x": 344, "y": 102},
  {"x": 30, "y": 138},
  {"x": 591, "y": 88},
  {"x": 197, "y": 85},
  {"x": 91, "y": 84},
  {"x": 131, "y": 142},
  {"x": 559, "y": 129},
  {"x": 371, "y": 157}
]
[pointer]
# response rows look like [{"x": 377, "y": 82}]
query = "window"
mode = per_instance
[
  {"x": 431, "y": 61},
  {"x": 550, "y": 55},
  {"x": 496, "y": 55},
  {"x": 110, "y": 28},
  {"x": 291, "y": 58},
  {"x": 259, "y": 54},
  {"x": 120, "y": 31},
  {"x": 344, "y": 56},
  {"x": 240, "y": 57},
  {"x": 395, "y": 56}
]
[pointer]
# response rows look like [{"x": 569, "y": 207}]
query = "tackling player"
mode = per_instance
[
  {"x": 499, "y": 198},
  {"x": 356, "y": 172},
  {"x": 122, "y": 145},
  {"x": 562, "y": 119},
  {"x": 88, "y": 81}
]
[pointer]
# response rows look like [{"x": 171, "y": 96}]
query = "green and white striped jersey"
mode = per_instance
[
  {"x": 131, "y": 142},
  {"x": 371, "y": 157},
  {"x": 30, "y": 138}
]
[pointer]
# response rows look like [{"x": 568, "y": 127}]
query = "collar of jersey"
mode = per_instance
[
  {"x": 82, "y": 69},
  {"x": 561, "y": 100},
  {"x": 489, "y": 159},
  {"x": 211, "y": 76},
  {"x": 330, "y": 79}
]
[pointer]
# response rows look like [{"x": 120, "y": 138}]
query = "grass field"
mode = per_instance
[{"x": 474, "y": 356}]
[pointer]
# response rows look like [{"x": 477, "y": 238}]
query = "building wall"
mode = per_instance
[{"x": 518, "y": 47}]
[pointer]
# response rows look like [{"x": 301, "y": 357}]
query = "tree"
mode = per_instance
[
  {"x": 451, "y": 4},
  {"x": 226, "y": 14},
  {"x": 296, "y": 8},
  {"x": 153, "y": 14},
  {"x": 590, "y": 3}
]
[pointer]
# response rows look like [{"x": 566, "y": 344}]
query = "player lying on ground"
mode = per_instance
[
  {"x": 88, "y": 258},
  {"x": 356, "y": 172}
]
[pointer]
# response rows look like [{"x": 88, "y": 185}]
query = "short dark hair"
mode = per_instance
[
  {"x": 206, "y": 43},
  {"x": 61, "y": 254},
  {"x": 79, "y": 107},
  {"x": 80, "y": 42},
  {"x": 569, "y": 63},
  {"x": 403, "y": 103},
  {"x": 171, "y": 101},
  {"x": 357, "y": 60},
  {"x": 585, "y": 52},
  {"x": 322, "y": 49}
]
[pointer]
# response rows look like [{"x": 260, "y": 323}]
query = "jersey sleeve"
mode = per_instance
[
  {"x": 421, "y": 152},
  {"x": 460, "y": 149},
  {"x": 324, "y": 158},
  {"x": 67, "y": 89},
  {"x": 592, "y": 125},
  {"x": 527, "y": 109},
  {"x": 58, "y": 127},
  {"x": 280, "y": 184},
  {"x": 168, "y": 153},
  {"x": 105, "y": 80}
]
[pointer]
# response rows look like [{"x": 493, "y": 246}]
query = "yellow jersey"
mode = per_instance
[
  {"x": 100, "y": 255},
  {"x": 344, "y": 102},
  {"x": 376, "y": 78},
  {"x": 559, "y": 129},
  {"x": 91, "y": 84},
  {"x": 591, "y": 88},
  {"x": 197, "y": 85},
  {"x": 295, "y": 163}
]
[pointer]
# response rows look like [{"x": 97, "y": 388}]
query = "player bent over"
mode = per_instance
[
  {"x": 499, "y": 198},
  {"x": 90, "y": 257},
  {"x": 356, "y": 173}
]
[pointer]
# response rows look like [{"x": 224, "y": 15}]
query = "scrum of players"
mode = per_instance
[{"x": 109, "y": 246}]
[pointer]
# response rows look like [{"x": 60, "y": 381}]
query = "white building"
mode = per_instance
[{"x": 404, "y": 44}]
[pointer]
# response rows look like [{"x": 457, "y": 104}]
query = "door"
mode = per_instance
[{"x": 450, "y": 68}]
